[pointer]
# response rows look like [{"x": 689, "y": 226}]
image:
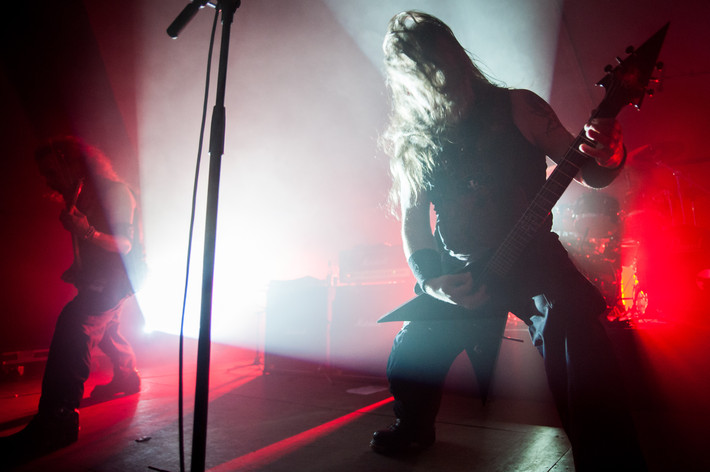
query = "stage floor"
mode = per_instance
[{"x": 319, "y": 420}]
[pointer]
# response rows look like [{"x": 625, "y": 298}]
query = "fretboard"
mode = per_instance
[{"x": 537, "y": 212}]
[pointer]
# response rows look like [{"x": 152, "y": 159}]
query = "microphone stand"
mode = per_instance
[{"x": 216, "y": 150}]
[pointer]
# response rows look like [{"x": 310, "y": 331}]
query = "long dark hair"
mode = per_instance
[{"x": 76, "y": 160}]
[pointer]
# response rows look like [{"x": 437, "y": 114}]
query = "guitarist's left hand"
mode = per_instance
[
  {"x": 608, "y": 138},
  {"x": 74, "y": 221},
  {"x": 457, "y": 289}
]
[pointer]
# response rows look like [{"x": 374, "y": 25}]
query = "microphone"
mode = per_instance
[{"x": 184, "y": 17}]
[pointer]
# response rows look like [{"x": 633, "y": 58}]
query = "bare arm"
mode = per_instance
[
  {"x": 416, "y": 227},
  {"x": 417, "y": 236},
  {"x": 120, "y": 216},
  {"x": 539, "y": 124}
]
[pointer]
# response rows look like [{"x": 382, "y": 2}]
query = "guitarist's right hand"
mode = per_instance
[
  {"x": 74, "y": 221},
  {"x": 457, "y": 289}
]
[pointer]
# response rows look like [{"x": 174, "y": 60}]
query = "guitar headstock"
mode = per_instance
[{"x": 627, "y": 83}]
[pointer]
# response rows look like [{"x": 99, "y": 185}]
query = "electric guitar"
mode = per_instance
[{"x": 625, "y": 84}]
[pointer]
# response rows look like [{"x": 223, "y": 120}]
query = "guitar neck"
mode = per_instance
[
  {"x": 537, "y": 212},
  {"x": 625, "y": 84},
  {"x": 70, "y": 205}
]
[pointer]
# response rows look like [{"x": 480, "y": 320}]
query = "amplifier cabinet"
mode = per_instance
[
  {"x": 296, "y": 324},
  {"x": 358, "y": 344}
]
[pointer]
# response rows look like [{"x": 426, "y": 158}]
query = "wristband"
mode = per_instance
[
  {"x": 597, "y": 176},
  {"x": 425, "y": 264}
]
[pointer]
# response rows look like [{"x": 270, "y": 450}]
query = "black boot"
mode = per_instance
[
  {"x": 47, "y": 432},
  {"x": 127, "y": 384},
  {"x": 400, "y": 437}
]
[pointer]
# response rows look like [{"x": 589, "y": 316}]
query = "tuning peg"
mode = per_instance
[
  {"x": 630, "y": 49},
  {"x": 618, "y": 59},
  {"x": 659, "y": 66},
  {"x": 608, "y": 68},
  {"x": 650, "y": 92}
]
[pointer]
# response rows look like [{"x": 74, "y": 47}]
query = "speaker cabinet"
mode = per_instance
[
  {"x": 358, "y": 344},
  {"x": 295, "y": 332}
]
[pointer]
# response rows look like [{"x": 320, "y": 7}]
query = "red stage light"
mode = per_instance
[{"x": 269, "y": 454}]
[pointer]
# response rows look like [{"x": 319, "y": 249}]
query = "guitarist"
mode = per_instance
[
  {"x": 100, "y": 213},
  {"x": 476, "y": 152}
]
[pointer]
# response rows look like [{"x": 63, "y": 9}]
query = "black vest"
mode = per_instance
[{"x": 487, "y": 173}]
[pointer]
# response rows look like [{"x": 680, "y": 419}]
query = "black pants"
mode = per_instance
[
  {"x": 562, "y": 310},
  {"x": 91, "y": 319},
  {"x": 422, "y": 354}
]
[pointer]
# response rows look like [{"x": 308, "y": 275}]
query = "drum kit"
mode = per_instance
[{"x": 643, "y": 241}]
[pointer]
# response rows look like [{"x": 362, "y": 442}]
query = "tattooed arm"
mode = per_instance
[{"x": 540, "y": 125}]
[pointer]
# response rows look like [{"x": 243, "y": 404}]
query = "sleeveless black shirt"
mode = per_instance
[{"x": 487, "y": 173}]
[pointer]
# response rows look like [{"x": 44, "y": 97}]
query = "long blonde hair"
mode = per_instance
[{"x": 425, "y": 99}]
